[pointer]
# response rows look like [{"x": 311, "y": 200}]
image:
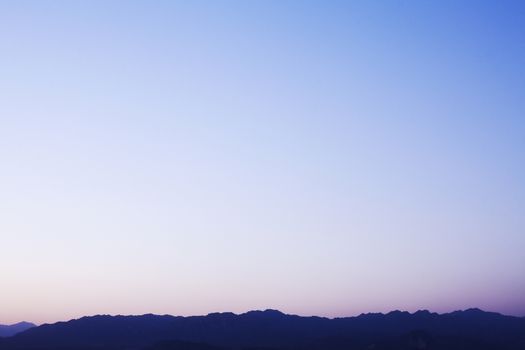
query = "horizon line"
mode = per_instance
[{"x": 265, "y": 310}]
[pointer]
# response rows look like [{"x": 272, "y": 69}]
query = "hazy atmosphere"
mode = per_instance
[{"x": 327, "y": 158}]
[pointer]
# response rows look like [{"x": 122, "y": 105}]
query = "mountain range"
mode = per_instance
[
  {"x": 270, "y": 329},
  {"x": 10, "y": 330}
]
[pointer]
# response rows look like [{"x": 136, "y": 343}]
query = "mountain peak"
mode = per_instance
[
  {"x": 474, "y": 310},
  {"x": 267, "y": 312},
  {"x": 398, "y": 313}
]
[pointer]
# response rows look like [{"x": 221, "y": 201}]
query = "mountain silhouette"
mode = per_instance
[
  {"x": 10, "y": 330},
  {"x": 271, "y": 329}
]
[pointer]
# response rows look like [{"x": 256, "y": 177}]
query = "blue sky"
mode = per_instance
[{"x": 317, "y": 157}]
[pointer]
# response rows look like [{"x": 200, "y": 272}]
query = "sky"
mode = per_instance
[{"x": 317, "y": 157}]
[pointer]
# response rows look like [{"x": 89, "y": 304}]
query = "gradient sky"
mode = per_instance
[{"x": 317, "y": 157}]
